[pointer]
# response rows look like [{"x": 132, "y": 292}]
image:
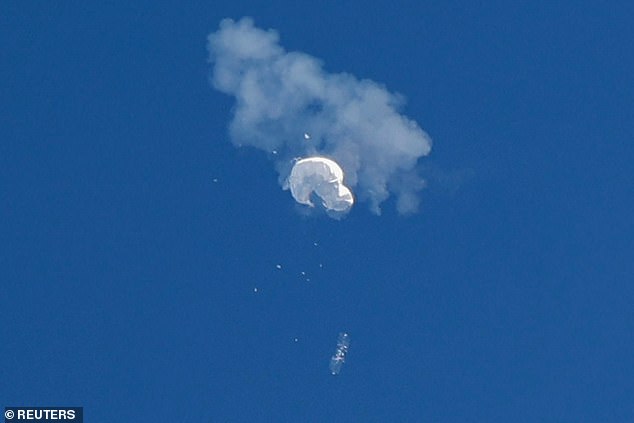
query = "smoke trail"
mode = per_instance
[{"x": 287, "y": 105}]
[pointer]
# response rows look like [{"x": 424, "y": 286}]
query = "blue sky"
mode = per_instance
[{"x": 128, "y": 273}]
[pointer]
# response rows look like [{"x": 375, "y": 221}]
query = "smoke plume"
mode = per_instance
[{"x": 288, "y": 106}]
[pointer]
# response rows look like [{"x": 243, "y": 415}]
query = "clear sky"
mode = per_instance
[{"x": 138, "y": 245}]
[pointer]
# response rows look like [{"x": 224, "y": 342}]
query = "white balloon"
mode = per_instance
[{"x": 321, "y": 176}]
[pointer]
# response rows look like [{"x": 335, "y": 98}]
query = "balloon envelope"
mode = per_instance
[{"x": 324, "y": 178}]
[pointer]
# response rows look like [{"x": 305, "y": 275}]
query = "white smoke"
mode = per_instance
[{"x": 283, "y": 96}]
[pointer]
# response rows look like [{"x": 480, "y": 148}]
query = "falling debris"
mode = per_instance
[
  {"x": 322, "y": 177},
  {"x": 315, "y": 244},
  {"x": 255, "y": 290},
  {"x": 295, "y": 339},
  {"x": 337, "y": 360},
  {"x": 279, "y": 266},
  {"x": 306, "y": 136},
  {"x": 215, "y": 179}
]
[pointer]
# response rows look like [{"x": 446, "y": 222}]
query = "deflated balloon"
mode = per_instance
[{"x": 324, "y": 178}]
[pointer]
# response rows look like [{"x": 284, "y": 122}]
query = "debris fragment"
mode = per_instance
[{"x": 337, "y": 360}]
